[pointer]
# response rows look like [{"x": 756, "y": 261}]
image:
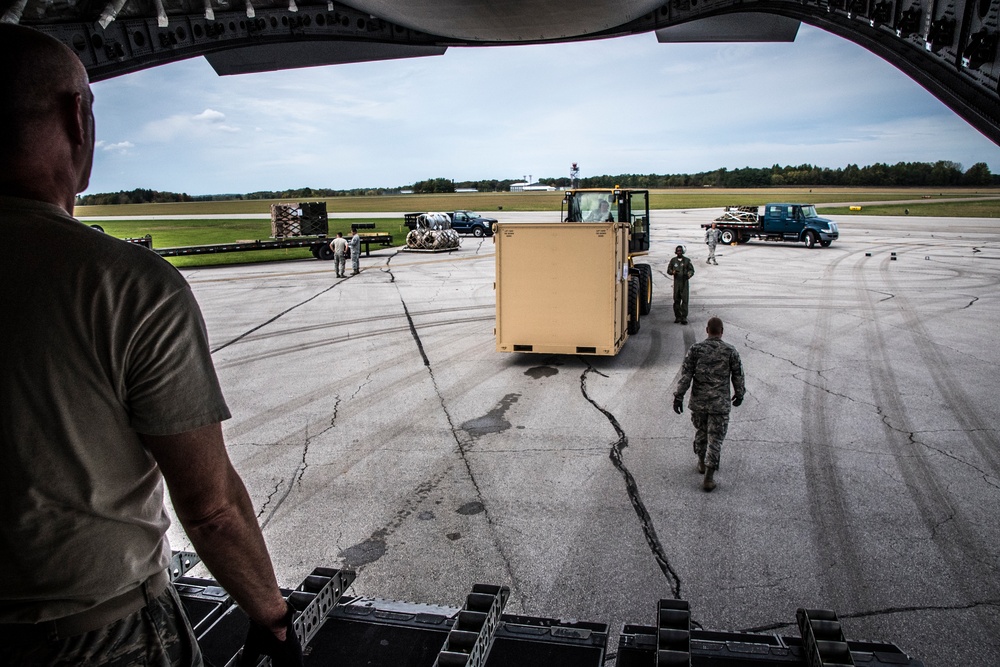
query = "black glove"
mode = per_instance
[
  {"x": 261, "y": 641},
  {"x": 737, "y": 400},
  {"x": 678, "y": 405}
]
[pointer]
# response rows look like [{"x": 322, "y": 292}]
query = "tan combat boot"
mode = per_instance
[{"x": 709, "y": 482}]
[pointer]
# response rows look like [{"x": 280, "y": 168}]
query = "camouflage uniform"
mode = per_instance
[
  {"x": 681, "y": 268},
  {"x": 711, "y": 240},
  {"x": 158, "y": 634},
  {"x": 711, "y": 365},
  {"x": 355, "y": 244}
]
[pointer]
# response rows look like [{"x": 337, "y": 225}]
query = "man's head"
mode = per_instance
[
  {"x": 340, "y": 234},
  {"x": 679, "y": 250},
  {"x": 713, "y": 225},
  {"x": 46, "y": 118},
  {"x": 714, "y": 327}
]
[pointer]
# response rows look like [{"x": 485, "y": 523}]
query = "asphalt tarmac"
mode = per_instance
[{"x": 377, "y": 428}]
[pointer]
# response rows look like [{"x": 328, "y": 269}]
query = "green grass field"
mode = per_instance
[{"x": 956, "y": 202}]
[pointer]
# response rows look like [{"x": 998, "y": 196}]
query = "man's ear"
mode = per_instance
[{"x": 77, "y": 120}]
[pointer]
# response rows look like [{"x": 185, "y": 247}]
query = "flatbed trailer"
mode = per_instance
[
  {"x": 319, "y": 245},
  {"x": 293, "y": 225}
]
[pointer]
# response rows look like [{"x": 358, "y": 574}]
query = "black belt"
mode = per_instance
[{"x": 94, "y": 618}]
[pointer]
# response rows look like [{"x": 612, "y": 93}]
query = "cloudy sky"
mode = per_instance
[{"x": 627, "y": 105}]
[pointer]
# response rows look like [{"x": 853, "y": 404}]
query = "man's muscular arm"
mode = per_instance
[{"x": 215, "y": 510}]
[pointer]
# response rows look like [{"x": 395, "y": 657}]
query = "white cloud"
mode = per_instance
[
  {"x": 188, "y": 126},
  {"x": 121, "y": 147}
]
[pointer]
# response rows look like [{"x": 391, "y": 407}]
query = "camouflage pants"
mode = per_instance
[
  {"x": 709, "y": 432},
  {"x": 340, "y": 262},
  {"x": 158, "y": 634},
  {"x": 711, "y": 253}
]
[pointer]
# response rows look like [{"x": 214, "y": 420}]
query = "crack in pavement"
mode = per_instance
[
  {"x": 269, "y": 496},
  {"x": 279, "y": 315},
  {"x": 911, "y": 435},
  {"x": 748, "y": 343},
  {"x": 885, "y": 612},
  {"x": 462, "y": 451},
  {"x": 659, "y": 553},
  {"x": 368, "y": 379},
  {"x": 300, "y": 471}
]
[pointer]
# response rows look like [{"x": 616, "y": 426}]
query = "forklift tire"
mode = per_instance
[
  {"x": 810, "y": 240},
  {"x": 645, "y": 288},
  {"x": 633, "y": 306},
  {"x": 325, "y": 252}
]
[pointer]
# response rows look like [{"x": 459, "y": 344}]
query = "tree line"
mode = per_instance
[{"x": 902, "y": 174}]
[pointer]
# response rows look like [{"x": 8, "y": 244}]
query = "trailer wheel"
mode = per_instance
[
  {"x": 728, "y": 236},
  {"x": 645, "y": 288},
  {"x": 825, "y": 244},
  {"x": 325, "y": 252},
  {"x": 810, "y": 239},
  {"x": 633, "y": 306},
  {"x": 315, "y": 250}
]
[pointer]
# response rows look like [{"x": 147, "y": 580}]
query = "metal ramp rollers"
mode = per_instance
[
  {"x": 470, "y": 639},
  {"x": 823, "y": 638}
]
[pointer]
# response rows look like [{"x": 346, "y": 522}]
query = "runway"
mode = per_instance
[{"x": 376, "y": 427}]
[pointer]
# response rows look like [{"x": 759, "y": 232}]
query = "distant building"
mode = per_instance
[
  {"x": 531, "y": 187},
  {"x": 466, "y": 190}
]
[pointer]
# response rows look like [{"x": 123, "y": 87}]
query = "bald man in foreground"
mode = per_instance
[{"x": 108, "y": 390}]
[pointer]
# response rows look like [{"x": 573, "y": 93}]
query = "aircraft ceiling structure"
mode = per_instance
[{"x": 950, "y": 47}]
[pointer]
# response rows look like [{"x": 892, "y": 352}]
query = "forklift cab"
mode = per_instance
[{"x": 617, "y": 205}]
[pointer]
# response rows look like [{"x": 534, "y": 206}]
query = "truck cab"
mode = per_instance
[
  {"x": 468, "y": 222},
  {"x": 798, "y": 222}
]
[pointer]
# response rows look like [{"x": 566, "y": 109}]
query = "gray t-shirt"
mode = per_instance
[{"x": 99, "y": 340}]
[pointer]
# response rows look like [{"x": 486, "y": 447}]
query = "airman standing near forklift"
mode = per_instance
[{"x": 681, "y": 269}]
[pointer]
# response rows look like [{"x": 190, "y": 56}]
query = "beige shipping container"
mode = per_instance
[{"x": 561, "y": 288}]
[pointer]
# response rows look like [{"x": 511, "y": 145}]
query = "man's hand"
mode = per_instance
[
  {"x": 262, "y": 641},
  {"x": 678, "y": 404},
  {"x": 737, "y": 401}
]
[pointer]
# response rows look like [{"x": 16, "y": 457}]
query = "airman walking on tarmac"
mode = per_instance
[
  {"x": 712, "y": 240},
  {"x": 681, "y": 269},
  {"x": 710, "y": 365}
]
